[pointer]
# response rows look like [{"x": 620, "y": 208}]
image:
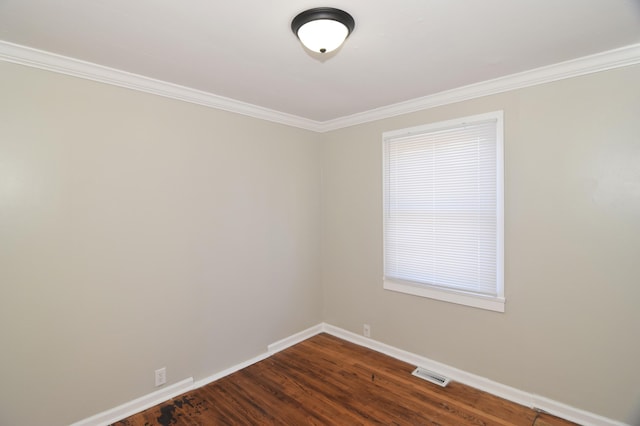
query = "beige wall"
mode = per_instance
[
  {"x": 138, "y": 232},
  {"x": 571, "y": 330}
]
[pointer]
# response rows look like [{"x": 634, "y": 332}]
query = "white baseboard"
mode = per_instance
[
  {"x": 571, "y": 413},
  {"x": 140, "y": 404},
  {"x": 137, "y": 405},
  {"x": 219, "y": 375},
  {"x": 271, "y": 349},
  {"x": 457, "y": 375},
  {"x": 512, "y": 394},
  {"x": 283, "y": 344}
]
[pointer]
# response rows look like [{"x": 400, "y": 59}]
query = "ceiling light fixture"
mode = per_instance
[{"x": 323, "y": 29}]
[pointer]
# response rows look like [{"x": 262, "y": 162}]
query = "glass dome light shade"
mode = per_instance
[{"x": 323, "y": 35}]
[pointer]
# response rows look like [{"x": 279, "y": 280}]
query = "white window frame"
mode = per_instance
[{"x": 477, "y": 300}]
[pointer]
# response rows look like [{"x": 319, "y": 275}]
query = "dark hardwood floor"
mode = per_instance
[{"x": 328, "y": 381}]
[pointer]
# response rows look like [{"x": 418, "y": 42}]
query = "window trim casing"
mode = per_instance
[{"x": 492, "y": 303}]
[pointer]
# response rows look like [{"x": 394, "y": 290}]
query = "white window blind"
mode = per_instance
[{"x": 443, "y": 208}]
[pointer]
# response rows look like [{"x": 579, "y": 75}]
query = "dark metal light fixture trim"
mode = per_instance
[{"x": 322, "y": 13}]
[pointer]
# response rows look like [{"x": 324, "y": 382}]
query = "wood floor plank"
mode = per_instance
[{"x": 328, "y": 381}]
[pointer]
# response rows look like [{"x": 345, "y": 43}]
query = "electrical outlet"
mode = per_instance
[
  {"x": 366, "y": 330},
  {"x": 161, "y": 376}
]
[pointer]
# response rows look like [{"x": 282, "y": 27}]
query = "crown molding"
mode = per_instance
[
  {"x": 621, "y": 57},
  {"x": 23, "y": 55}
]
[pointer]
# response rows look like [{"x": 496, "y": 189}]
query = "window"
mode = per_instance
[{"x": 443, "y": 211}]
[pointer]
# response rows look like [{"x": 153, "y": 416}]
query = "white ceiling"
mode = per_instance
[{"x": 245, "y": 50}]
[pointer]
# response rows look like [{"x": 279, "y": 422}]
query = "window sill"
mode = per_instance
[{"x": 462, "y": 298}]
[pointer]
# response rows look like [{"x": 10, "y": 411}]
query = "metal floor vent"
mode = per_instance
[{"x": 432, "y": 377}]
